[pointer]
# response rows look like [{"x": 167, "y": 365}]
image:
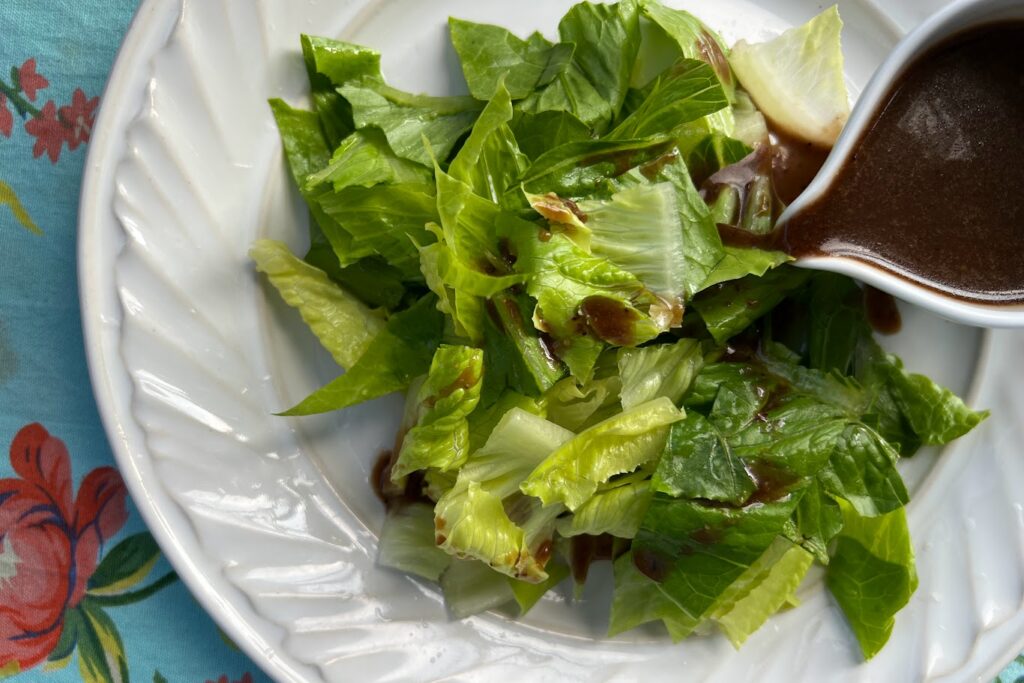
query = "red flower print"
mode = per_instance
[
  {"x": 29, "y": 80},
  {"x": 246, "y": 678},
  {"x": 6, "y": 118},
  {"x": 49, "y": 543},
  {"x": 78, "y": 118},
  {"x": 49, "y": 132}
]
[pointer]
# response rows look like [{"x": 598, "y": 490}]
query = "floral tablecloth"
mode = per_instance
[{"x": 84, "y": 590}]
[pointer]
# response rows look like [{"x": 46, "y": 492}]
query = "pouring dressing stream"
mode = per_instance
[{"x": 922, "y": 195}]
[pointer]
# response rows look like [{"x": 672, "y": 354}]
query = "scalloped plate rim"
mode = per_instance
[{"x": 152, "y": 25}]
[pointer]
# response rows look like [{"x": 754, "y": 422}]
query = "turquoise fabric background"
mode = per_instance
[{"x": 145, "y": 626}]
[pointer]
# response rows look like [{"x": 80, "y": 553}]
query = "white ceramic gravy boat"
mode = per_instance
[{"x": 951, "y": 20}]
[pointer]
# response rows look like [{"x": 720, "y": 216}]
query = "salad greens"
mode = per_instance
[{"x": 595, "y": 368}]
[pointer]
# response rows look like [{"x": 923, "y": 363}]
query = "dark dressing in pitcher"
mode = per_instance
[{"x": 934, "y": 190}]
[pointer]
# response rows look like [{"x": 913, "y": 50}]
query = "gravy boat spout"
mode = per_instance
[{"x": 936, "y": 30}]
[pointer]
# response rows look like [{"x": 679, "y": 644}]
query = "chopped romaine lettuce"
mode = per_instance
[
  {"x": 344, "y": 326},
  {"x": 796, "y": 79},
  {"x": 564, "y": 272},
  {"x": 440, "y": 437}
]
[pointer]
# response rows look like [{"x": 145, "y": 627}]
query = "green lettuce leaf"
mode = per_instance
[
  {"x": 698, "y": 462},
  {"x": 407, "y": 542},
  {"x": 516, "y": 357},
  {"x": 475, "y": 518},
  {"x": 637, "y": 600},
  {"x": 364, "y": 158},
  {"x": 585, "y": 168},
  {"x": 490, "y": 162},
  {"x": 485, "y": 418},
  {"x": 688, "y": 91},
  {"x": 936, "y": 414},
  {"x": 547, "y": 130},
  {"x": 797, "y": 80},
  {"x": 620, "y": 444},
  {"x": 472, "y": 587},
  {"x": 761, "y": 590},
  {"x": 729, "y": 307},
  {"x": 344, "y": 326},
  {"x": 702, "y": 246},
  {"x": 577, "y": 407},
  {"x": 330, "y": 63},
  {"x": 695, "y": 552},
  {"x": 872, "y": 574},
  {"x": 491, "y": 54},
  {"x": 529, "y": 594},
  {"x": 738, "y": 262},
  {"x": 440, "y": 438},
  {"x": 370, "y": 279},
  {"x": 579, "y": 295},
  {"x": 384, "y": 220},
  {"x": 409, "y": 119},
  {"x": 693, "y": 39},
  {"x": 617, "y": 510},
  {"x": 591, "y": 74},
  {"x": 659, "y": 370},
  {"x": 398, "y": 354}
]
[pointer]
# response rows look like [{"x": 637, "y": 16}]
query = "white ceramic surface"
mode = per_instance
[
  {"x": 271, "y": 521},
  {"x": 939, "y": 27}
]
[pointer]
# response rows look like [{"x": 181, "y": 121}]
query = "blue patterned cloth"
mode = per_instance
[{"x": 84, "y": 592}]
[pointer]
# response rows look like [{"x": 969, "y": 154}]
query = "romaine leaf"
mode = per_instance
[
  {"x": 862, "y": 471},
  {"x": 590, "y": 74},
  {"x": 472, "y": 587},
  {"x": 616, "y": 510},
  {"x": 738, "y": 262},
  {"x": 637, "y": 600},
  {"x": 473, "y": 518},
  {"x": 576, "y": 407},
  {"x": 620, "y": 444},
  {"x": 702, "y": 246},
  {"x": 490, "y": 162},
  {"x": 796, "y": 79},
  {"x": 694, "y": 552},
  {"x": 658, "y": 370},
  {"x": 385, "y": 220},
  {"x": 698, "y": 462},
  {"x": 344, "y": 326},
  {"x": 370, "y": 279},
  {"x": 639, "y": 230},
  {"x": 729, "y": 307},
  {"x": 578, "y": 294},
  {"x": 407, "y": 119},
  {"x": 712, "y": 153},
  {"x": 440, "y": 438},
  {"x": 761, "y": 590},
  {"x": 364, "y": 158},
  {"x": 407, "y": 542},
  {"x": 485, "y": 418},
  {"x": 547, "y": 130},
  {"x": 818, "y": 520},
  {"x": 872, "y": 574},
  {"x": 329, "y": 63},
  {"x": 693, "y": 38},
  {"x": 935, "y": 413},
  {"x": 397, "y": 355},
  {"x": 490, "y": 54},
  {"x": 304, "y": 145},
  {"x": 583, "y": 169},
  {"x": 686, "y": 92},
  {"x": 516, "y": 357},
  {"x": 529, "y": 594}
]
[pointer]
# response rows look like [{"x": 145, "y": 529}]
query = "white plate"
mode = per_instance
[{"x": 271, "y": 521}]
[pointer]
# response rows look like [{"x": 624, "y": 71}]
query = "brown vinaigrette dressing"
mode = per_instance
[{"x": 934, "y": 191}]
